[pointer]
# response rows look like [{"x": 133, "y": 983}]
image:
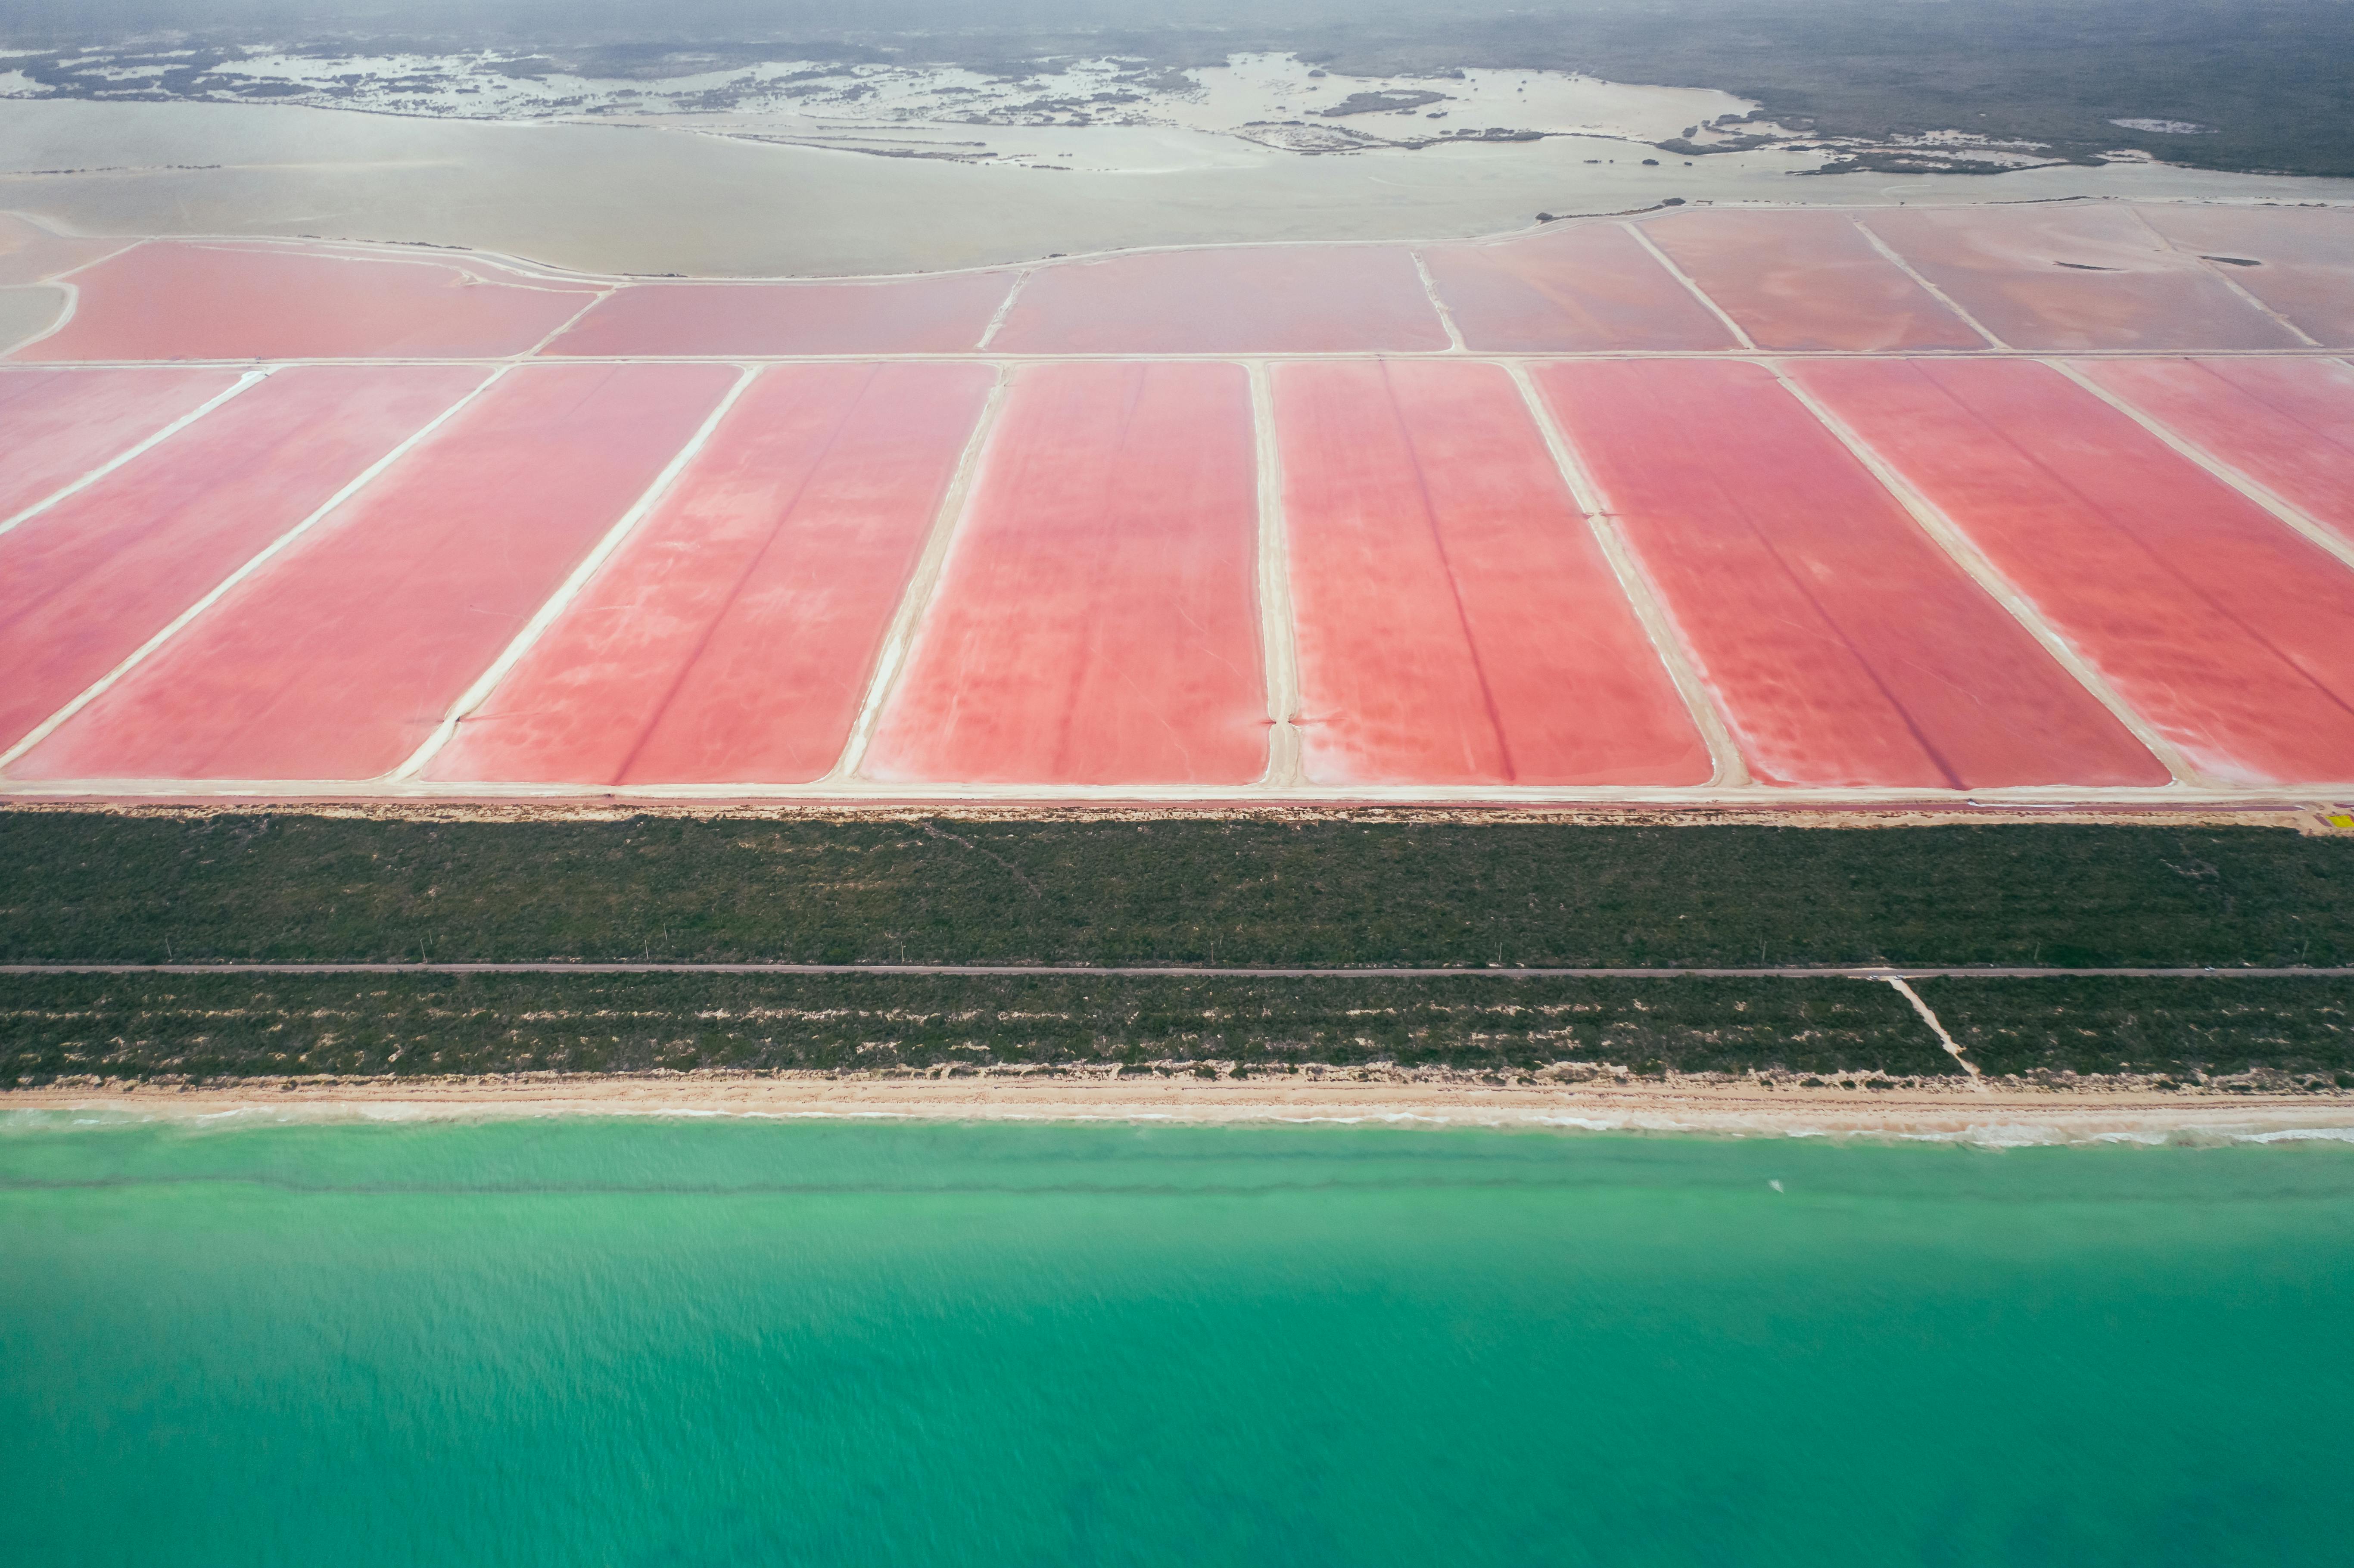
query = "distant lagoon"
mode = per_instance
[
  {"x": 614, "y": 198},
  {"x": 587, "y": 1340}
]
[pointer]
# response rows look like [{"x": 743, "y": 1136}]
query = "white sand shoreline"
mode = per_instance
[{"x": 1996, "y": 1117}]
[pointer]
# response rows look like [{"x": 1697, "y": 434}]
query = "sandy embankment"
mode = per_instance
[{"x": 1720, "y": 1107}]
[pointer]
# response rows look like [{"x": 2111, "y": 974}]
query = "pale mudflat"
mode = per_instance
[
  {"x": 616, "y": 198},
  {"x": 28, "y": 312}
]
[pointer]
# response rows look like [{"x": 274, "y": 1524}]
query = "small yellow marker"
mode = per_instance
[{"x": 2339, "y": 820}]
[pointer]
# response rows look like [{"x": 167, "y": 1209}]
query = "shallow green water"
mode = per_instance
[{"x": 658, "y": 1343}]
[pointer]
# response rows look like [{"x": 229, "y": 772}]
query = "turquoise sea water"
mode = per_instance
[{"x": 621, "y": 1342}]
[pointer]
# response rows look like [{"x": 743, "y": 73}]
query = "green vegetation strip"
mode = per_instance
[
  {"x": 2176, "y": 1029},
  {"x": 214, "y": 1026},
  {"x": 2267, "y": 80},
  {"x": 101, "y": 887},
  {"x": 2277, "y": 1034}
]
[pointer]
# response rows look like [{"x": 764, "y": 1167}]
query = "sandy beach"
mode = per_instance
[{"x": 1910, "y": 1112}]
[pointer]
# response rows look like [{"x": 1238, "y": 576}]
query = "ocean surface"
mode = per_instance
[{"x": 626, "y": 1342}]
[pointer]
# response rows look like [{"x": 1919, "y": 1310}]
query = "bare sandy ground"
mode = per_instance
[
  {"x": 2299, "y": 815},
  {"x": 2005, "y": 1117},
  {"x": 2300, "y": 818},
  {"x": 26, "y": 313}
]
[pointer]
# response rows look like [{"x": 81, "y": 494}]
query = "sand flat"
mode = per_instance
[{"x": 1723, "y": 1108}]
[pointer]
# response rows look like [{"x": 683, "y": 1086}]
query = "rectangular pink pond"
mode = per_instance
[
  {"x": 1261, "y": 298},
  {"x": 947, "y": 314},
  {"x": 1096, "y": 618},
  {"x": 340, "y": 657},
  {"x": 1844, "y": 646},
  {"x": 2289, "y": 424},
  {"x": 56, "y": 426},
  {"x": 245, "y": 300},
  {"x": 1582, "y": 286},
  {"x": 2073, "y": 277},
  {"x": 85, "y": 583},
  {"x": 2299, "y": 260},
  {"x": 2230, "y": 634},
  {"x": 1456, "y": 622},
  {"x": 1807, "y": 280},
  {"x": 732, "y": 637}
]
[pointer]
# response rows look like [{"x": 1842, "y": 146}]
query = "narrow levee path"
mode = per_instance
[{"x": 1896, "y": 977}]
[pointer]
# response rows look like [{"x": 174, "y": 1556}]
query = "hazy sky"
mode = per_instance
[{"x": 93, "y": 20}]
